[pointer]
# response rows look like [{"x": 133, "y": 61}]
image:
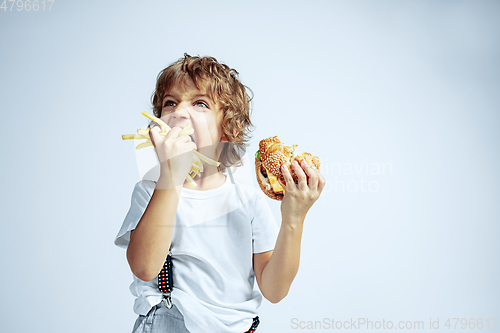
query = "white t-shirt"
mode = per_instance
[{"x": 215, "y": 235}]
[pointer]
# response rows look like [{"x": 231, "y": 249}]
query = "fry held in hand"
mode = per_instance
[{"x": 142, "y": 133}]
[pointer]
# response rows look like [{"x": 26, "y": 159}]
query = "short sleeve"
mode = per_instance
[
  {"x": 264, "y": 227},
  {"x": 140, "y": 199}
]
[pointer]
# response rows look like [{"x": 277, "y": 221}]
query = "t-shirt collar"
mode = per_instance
[{"x": 196, "y": 194}]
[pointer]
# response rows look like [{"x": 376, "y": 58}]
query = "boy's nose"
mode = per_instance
[
  {"x": 181, "y": 113},
  {"x": 179, "y": 117}
]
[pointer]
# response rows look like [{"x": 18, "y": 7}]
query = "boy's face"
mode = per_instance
[{"x": 184, "y": 104}]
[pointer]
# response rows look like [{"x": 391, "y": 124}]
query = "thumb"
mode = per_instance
[{"x": 153, "y": 134}]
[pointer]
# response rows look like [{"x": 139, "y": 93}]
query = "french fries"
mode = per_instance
[{"x": 142, "y": 133}]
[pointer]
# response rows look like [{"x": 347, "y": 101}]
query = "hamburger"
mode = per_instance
[{"x": 268, "y": 160}]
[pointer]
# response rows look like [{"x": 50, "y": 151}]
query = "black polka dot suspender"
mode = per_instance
[
  {"x": 255, "y": 323},
  {"x": 165, "y": 281}
]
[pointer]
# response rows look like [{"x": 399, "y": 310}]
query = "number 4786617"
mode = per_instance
[{"x": 26, "y": 5}]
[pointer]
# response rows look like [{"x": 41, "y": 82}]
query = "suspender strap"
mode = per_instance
[
  {"x": 255, "y": 323},
  {"x": 165, "y": 280}
]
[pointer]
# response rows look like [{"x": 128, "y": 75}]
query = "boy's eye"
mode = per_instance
[
  {"x": 202, "y": 104},
  {"x": 169, "y": 103}
]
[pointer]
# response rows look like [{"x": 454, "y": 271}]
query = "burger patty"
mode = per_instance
[
  {"x": 263, "y": 170},
  {"x": 280, "y": 179}
]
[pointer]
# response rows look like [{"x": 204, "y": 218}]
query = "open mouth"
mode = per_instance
[{"x": 192, "y": 139}]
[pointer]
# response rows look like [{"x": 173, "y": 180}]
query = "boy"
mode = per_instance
[{"x": 222, "y": 234}]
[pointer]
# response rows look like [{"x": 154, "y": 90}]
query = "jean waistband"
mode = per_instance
[{"x": 255, "y": 323}]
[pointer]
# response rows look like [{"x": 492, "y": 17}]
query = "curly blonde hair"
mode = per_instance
[{"x": 223, "y": 86}]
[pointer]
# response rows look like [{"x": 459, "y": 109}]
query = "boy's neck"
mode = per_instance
[{"x": 215, "y": 180}]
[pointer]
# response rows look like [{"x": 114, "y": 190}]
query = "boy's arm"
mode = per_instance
[
  {"x": 275, "y": 270},
  {"x": 152, "y": 236}
]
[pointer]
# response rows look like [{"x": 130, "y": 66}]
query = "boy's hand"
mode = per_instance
[
  {"x": 300, "y": 197},
  {"x": 174, "y": 150}
]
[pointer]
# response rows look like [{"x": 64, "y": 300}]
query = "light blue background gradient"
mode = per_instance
[{"x": 413, "y": 84}]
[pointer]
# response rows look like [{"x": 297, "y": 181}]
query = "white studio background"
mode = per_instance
[{"x": 399, "y": 99}]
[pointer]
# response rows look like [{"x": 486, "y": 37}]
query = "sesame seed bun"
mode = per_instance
[
  {"x": 273, "y": 154},
  {"x": 310, "y": 159}
]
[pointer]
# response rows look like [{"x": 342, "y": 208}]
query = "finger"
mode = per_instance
[
  {"x": 192, "y": 145},
  {"x": 154, "y": 134},
  {"x": 311, "y": 173},
  {"x": 183, "y": 138},
  {"x": 322, "y": 181},
  {"x": 290, "y": 184},
  {"x": 187, "y": 130},
  {"x": 301, "y": 175},
  {"x": 173, "y": 133}
]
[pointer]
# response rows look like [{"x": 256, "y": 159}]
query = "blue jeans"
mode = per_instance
[{"x": 160, "y": 320}]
